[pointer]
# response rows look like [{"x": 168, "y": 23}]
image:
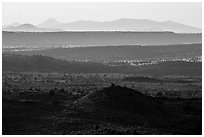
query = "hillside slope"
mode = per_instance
[
  {"x": 115, "y": 53},
  {"x": 20, "y": 63},
  {"x": 123, "y": 105}
]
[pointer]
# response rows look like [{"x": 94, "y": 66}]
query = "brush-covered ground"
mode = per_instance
[{"x": 36, "y": 103}]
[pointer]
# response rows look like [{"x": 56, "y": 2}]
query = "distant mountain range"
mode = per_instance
[{"x": 116, "y": 25}]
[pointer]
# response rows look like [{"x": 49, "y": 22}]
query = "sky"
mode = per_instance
[{"x": 182, "y": 12}]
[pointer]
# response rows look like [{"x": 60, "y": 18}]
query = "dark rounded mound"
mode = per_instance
[{"x": 117, "y": 98}]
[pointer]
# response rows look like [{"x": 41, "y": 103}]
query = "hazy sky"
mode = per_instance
[{"x": 35, "y": 13}]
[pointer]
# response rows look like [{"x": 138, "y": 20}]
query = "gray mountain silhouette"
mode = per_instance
[
  {"x": 23, "y": 27},
  {"x": 11, "y": 25},
  {"x": 124, "y": 24},
  {"x": 49, "y": 23},
  {"x": 28, "y": 28}
]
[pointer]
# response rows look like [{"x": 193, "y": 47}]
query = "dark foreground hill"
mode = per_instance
[
  {"x": 20, "y": 63},
  {"x": 116, "y": 98},
  {"x": 127, "y": 106},
  {"x": 53, "y": 39},
  {"x": 112, "y": 110}
]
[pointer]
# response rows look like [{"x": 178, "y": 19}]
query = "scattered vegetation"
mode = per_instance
[
  {"x": 52, "y": 103},
  {"x": 37, "y": 63}
]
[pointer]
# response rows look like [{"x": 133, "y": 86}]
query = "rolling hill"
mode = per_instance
[
  {"x": 27, "y": 28},
  {"x": 20, "y": 63},
  {"x": 116, "y": 53},
  {"x": 23, "y": 27},
  {"x": 128, "y": 106},
  {"x": 118, "y": 98}
]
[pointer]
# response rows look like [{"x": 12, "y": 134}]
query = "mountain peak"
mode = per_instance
[
  {"x": 49, "y": 23},
  {"x": 52, "y": 20}
]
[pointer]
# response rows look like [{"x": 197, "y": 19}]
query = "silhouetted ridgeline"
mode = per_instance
[
  {"x": 20, "y": 63},
  {"x": 28, "y": 28},
  {"x": 123, "y": 24},
  {"x": 50, "y": 39},
  {"x": 115, "y": 53}
]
